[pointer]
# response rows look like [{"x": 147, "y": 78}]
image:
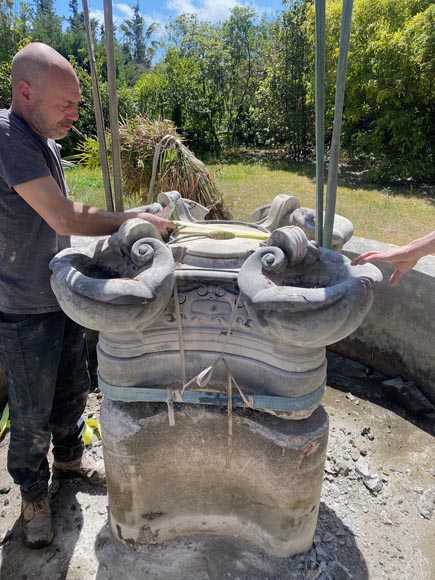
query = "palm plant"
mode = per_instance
[{"x": 137, "y": 39}]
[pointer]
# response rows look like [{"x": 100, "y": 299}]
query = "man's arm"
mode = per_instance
[
  {"x": 403, "y": 258},
  {"x": 68, "y": 217}
]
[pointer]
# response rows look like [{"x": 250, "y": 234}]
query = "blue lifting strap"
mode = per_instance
[{"x": 271, "y": 402}]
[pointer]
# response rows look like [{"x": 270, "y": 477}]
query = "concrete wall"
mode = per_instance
[{"x": 398, "y": 335}]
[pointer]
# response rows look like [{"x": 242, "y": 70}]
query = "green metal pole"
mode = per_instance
[
  {"x": 99, "y": 119},
  {"x": 113, "y": 105},
  {"x": 320, "y": 115},
  {"x": 331, "y": 191}
]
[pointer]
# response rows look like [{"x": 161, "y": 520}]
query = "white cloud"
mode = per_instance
[
  {"x": 119, "y": 12},
  {"x": 214, "y": 10},
  {"x": 96, "y": 15},
  {"x": 211, "y": 10},
  {"x": 126, "y": 10},
  {"x": 122, "y": 11},
  {"x": 154, "y": 17}
]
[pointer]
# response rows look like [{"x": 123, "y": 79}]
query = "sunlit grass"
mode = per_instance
[
  {"x": 380, "y": 214},
  {"x": 87, "y": 186},
  {"x": 386, "y": 215}
]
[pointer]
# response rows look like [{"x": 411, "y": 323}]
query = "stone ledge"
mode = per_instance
[{"x": 398, "y": 335}]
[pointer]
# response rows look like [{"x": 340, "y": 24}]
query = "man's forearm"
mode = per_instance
[
  {"x": 84, "y": 220},
  {"x": 423, "y": 246},
  {"x": 68, "y": 217}
]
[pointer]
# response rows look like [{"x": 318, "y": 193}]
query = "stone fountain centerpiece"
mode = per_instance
[{"x": 211, "y": 356}]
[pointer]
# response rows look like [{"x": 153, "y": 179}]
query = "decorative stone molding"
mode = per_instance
[
  {"x": 285, "y": 210},
  {"x": 304, "y": 295},
  {"x": 115, "y": 285},
  {"x": 270, "y": 307}
]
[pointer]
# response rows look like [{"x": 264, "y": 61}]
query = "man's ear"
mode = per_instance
[{"x": 24, "y": 90}]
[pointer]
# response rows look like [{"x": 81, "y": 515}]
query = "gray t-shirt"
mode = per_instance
[{"x": 27, "y": 242}]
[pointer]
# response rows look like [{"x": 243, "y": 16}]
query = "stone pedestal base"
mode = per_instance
[{"x": 165, "y": 482}]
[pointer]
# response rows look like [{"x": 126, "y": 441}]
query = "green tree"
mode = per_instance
[
  {"x": 46, "y": 24},
  {"x": 13, "y": 36},
  {"x": 283, "y": 108},
  {"x": 389, "y": 118},
  {"x": 74, "y": 38},
  {"x": 243, "y": 45},
  {"x": 207, "y": 77},
  {"x": 137, "y": 40},
  {"x": 151, "y": 94},
  {"x": 193, "y": 66}
]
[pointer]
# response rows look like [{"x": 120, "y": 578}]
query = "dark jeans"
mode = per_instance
[{"x": 45, "y": 361}]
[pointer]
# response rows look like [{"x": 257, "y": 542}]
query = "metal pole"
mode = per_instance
[
  {"x": 113, "y": 105},
  {"x": 331, "y": 192},
  {"x": 320, "y": 115},
  {"x": 101, "y": 134}
]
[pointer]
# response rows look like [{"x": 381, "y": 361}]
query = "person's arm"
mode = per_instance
[
  {"x": 403, "y": 258},
  {"x": 68, "y": 217}
]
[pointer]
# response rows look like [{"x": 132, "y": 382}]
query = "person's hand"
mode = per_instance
[
  {"x": 402, "y": 259},
  {"x": 163, "y": 226}
]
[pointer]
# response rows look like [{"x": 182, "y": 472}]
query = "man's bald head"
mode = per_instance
[
  {"x": 37, "y": 60},
  {"x": 45, "y": 90}
]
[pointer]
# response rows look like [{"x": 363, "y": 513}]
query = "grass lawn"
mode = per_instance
[{"x": 391, "y": 215}]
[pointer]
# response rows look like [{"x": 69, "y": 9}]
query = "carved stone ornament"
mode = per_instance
[
  {"x": 116, "y": 285},
  {"x": 304, "y": 295}
]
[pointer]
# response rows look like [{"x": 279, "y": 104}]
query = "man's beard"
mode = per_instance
[{"x": 43, "y": 126}]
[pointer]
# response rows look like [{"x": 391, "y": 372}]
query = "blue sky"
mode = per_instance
[{"x": 162, "y": 10}]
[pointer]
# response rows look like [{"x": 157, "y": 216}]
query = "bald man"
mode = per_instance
[{"x": 43, "y": 352}]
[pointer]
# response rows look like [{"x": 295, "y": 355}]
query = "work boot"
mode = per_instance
[
  {"x": 87, "y": 467},
  {"x": 36, "y": 523}
]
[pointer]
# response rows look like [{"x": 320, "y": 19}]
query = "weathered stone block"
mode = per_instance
[{"x": 165, "y": 482}]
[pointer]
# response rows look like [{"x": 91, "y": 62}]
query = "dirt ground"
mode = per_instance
[{"x": 362, "y": 533}]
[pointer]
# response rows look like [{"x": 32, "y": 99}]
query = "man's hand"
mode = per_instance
[
  {"x": 163, "y": 226},
  {"x": 403, "y": 259}
]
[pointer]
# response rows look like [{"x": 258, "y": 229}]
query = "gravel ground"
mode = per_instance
[{"x": 375, "y": 519}]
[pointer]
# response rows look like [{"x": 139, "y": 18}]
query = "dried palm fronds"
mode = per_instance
[
  {"x": 138, "y": 138},
  {"x": 180, "y": 170},
  {"x": 154, "y": 159}
]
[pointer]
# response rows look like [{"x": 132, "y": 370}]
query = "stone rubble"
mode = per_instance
[
  {"x": 426, "y": 503},
  {"x": 409, "y": 395},
  {"x": 372, "y": 481}
]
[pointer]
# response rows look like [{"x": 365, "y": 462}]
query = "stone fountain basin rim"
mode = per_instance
[
  {"x": 265, "y": 295},
  {"x": 292, "y": 299},
  {"x": 144, "y": 287}
]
